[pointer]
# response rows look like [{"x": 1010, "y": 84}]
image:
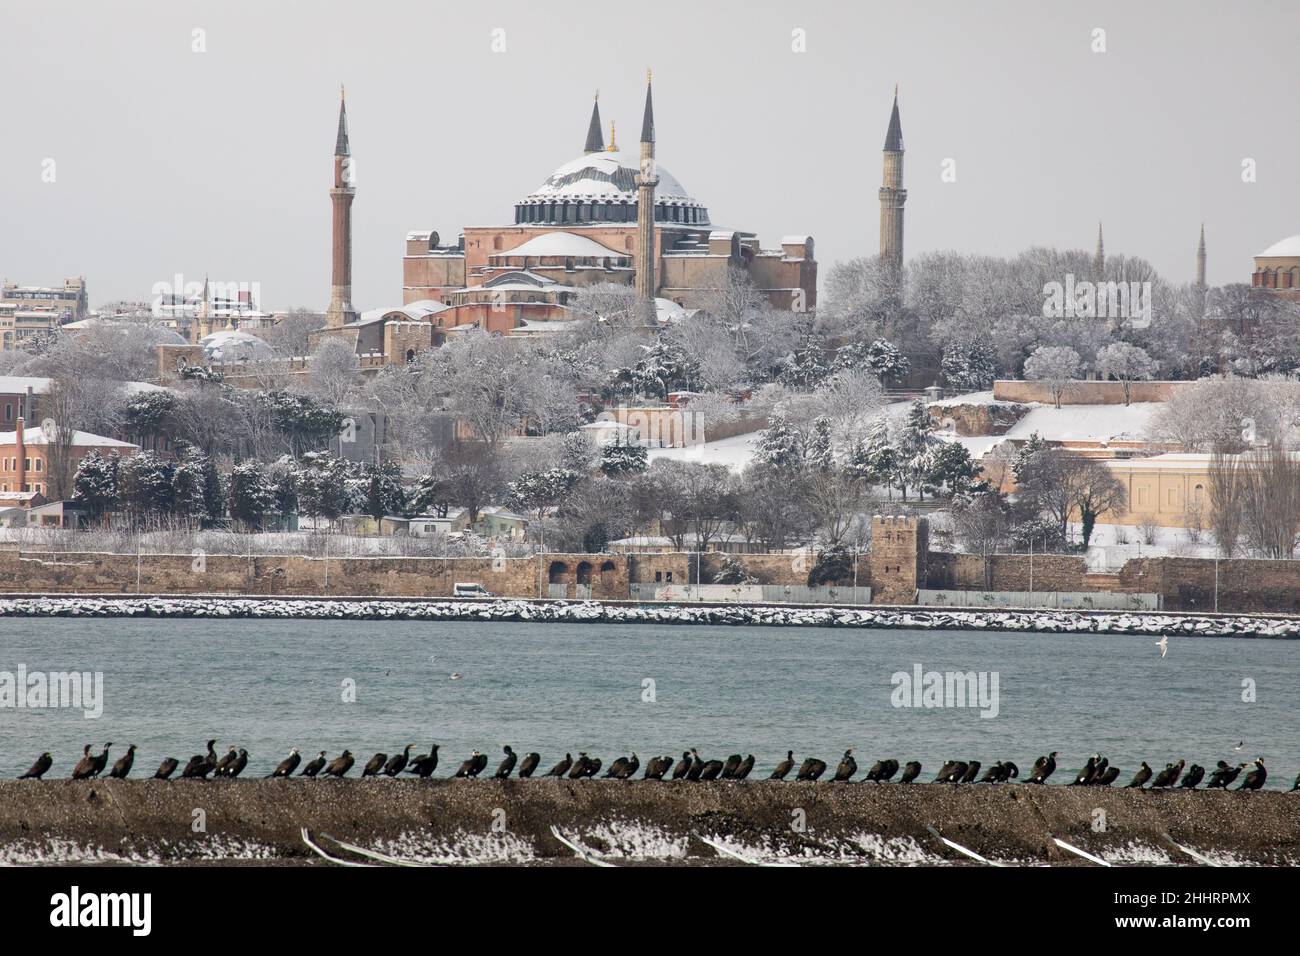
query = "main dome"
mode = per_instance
[
  {"x": 1285, "y": 248},
  {"x": 601, "y": 187}
]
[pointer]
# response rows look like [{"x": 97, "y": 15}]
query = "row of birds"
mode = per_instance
[{"x": 1096, "y": 772}]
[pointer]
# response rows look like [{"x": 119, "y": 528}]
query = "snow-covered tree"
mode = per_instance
[
  {"x": 779, "y": 446},
  {"x": 619, "y": 458},
  {"x": 880, "y": 356},
  {"x": 970, "y": 366},
  {"x": 252, "y": 494},
  {"x": 1055, "y": 366},
  {"x": 95, "y": 483},
  {"x": 1125, "y": 363},
  {"x": 385, "y": 494},
  {"x": 535, "y": 493}
]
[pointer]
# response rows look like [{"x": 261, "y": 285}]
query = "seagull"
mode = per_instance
[
  {"x": 1163, "y": 644},
  {"x": 1240, "y": 744},
  {"x": 455, "y": 675}
]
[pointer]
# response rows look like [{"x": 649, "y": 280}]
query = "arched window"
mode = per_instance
[{"x": 557, "y": 572}]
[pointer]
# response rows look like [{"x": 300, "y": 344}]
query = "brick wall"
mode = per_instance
[
  {"x": 898, "y": 559},
  {"x": 1084, "y": 393}
]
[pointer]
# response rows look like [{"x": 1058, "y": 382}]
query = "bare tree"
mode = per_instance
[
  {"x": 334, "y": 371},
  {"x": 1126, "y": 364},
  {"x": 1271, "y": 500},
  {"x": 1055, "y": 366}
]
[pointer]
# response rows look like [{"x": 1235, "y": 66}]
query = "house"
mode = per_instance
[
  {"x": 495, "y": 521},
  {"x": 26, "y": 455}
]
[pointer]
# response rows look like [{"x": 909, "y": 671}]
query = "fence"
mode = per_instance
[
  {"x": 1062, "y": 600},
  {"x": 750, "y": 593}
]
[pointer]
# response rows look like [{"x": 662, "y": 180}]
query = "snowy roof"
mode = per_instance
[
  {"x": 413, "y": 312},
  {"x": 794, "y": 240},
  {"x": 19, "y": 384},
  {"x": 563, "y": 244},
  {"x": 36, "y": 436},
  {"x": 607, "y": 176},
  {"x": 234, "y": 345},
  {"x": 1290, "y": 246},
  {"x": 1086, "y": 422}
]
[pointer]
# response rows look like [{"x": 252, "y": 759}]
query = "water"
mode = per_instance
[{"x": 267, "y": 686}]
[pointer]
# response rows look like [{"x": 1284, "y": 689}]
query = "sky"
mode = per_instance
[{"x": 172, "y": 160}]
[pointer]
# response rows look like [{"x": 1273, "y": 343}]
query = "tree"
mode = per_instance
[
  {"x": 385, "y": 494},
  {"x": 1055, "y": 366},
  {"x": 189, "y": 494},
  {"x": 970, "y": 366},
  {"x": 252, "y": 495},
  {"x": 834, "y": 565},
  {"x": 619, "y": 458},
  {"x": 982, "y": 522},
  {"x": 145, "y": 485},
  {"x": 1270, "y": 497},
  {"x": 334, "y": 371},
  {"x": 1225, "y": 491},
  {"x": 149, "y": 414},
  {"x": 96, "y": 483},
  {"x": 880, "y": 356},
  {"x": 779, "y": 447},
  {"x": 1126, "y": 364},
  {"x": 431, "y": 496},
  {"x": 952, "y": 470},
  {"x": 322, "y": 486},
  {"x": 1097, "y": 492},
  {"x": 537, "y": 492}
]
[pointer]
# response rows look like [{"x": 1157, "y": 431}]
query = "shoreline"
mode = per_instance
[{"x": 224, "y": 607}]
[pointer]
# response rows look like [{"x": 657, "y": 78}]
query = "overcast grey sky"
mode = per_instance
[{"x": 170, "y": 161}]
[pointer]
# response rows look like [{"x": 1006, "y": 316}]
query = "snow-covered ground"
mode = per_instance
[
  {"x": 1089, "y": 423},
  {"x": 1113, "y": 544},
  {"x": 734, "y": 452}
]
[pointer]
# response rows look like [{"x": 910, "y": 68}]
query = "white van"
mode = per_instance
[{"x": 469, "y": 590}]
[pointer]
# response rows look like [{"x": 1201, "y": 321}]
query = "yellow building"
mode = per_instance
[{"x": 1170, "y": 489}]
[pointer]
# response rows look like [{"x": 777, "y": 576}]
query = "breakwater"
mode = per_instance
[{"x": 592, "y": 612}]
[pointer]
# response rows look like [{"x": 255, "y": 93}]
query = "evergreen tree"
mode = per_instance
[
  {"x": 969, "y": 366},
  {"x": 619, "y": 459},
  {"x": 385, "y": 494},
  {"x": 95, "y": 483},
  {"x": 779, "y": 446},
  {"x": 252, "y": 494}
]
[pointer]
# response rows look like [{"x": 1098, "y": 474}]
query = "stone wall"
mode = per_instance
[
  {"x": 1244, "y": 584},
  {"x": 977, "y": 419},
  {"x": 1084, "y": 393},
  {"x": 898, "y": 560}
]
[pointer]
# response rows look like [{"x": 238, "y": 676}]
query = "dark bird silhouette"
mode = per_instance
[
  {"x": 1084, "y": 776},
  {"x": 38, "y": 769},
  {"x": 1107, "y": 778},
  {"x": 397, "y": 762},
  {"x": 784, "y": 767},
  {"x": 201, "y": 765},
  {"x": 993, "y": 774},
  {"x": 882, "y": 770},
  {"x": 85, "y": 766},
  {"x": 122, "y": 766},
  {"x": 561, "y": 768},
  {"x": 1044, "y": 767},
  {"x": 729, "y": 767},
  {"x": 225, "y": 762},
  {"x": 374, "y": 765},
  {"x": 847, "y": 769},
  {"x": 480, "y": 764},
  {"x": 952, "y": 772},
  {"x": 314, "y": 766},
  {"x": 166, "y": 768},
  {"x": 1140, "y": 778},
  {"x": 288, "y": 765},
  {"x": 1255, "y": 779},
  {"x": 466, "y": 768},
  {"x": 629, "y": 767},
  {"x": 616, "y": 767},
  {"x": 656, "y": 767},
  {"x": 744, "y": 769},
  {"x": 340, "y": 765},
  {"x": 972, "y": 769},
  {"x": 592, "y": 768},
  {"x": 233, "y": 770},
  {"x": 1195, "y": 773},
  {"x": 424, "y": 765},
  {"x": 1224, "y": 775},
  {"x": 529, "y": 764},
  {"x": 811, "y": 769},
  {"x": 911, "y": 771},
  {"x": 945, "y": 772},
  {"x": 507, "y": 766},
  {"x": 1169, "y": 776},
  {"x": 711, "y": 770},
  {"x": 579, "y": 768},
  {"x": 697, "y": 765}
]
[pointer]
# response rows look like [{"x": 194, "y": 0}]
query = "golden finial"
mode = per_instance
[
  {"x": 343, "y": 92},
  {"x": 895, "y": 91},
  {"x": 649, "y": 77},
  {"x": 613, "y": 144},
  {"x": 597, "y": 95}
]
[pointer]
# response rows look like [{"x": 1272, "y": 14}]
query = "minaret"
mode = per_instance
[
  {"x": 646, "y": 181},
  {"x": 203, "y": 322},
  {"x": 340, "y": 311},
  {"x": 594, "y": 142},
  {"x": 1200, "y": 260},
  {"x": 892, "y": 193},
  {"x": 1099, "y": 258}
]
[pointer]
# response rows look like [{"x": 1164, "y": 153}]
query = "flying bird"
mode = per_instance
[{"x": 1163, "y": 644}]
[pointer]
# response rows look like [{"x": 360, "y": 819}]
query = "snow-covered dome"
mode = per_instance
[
  {"x": 601, "y": 187},
  {"x": 232, "y": 345},
  {"x": 1286, "y": 248}
]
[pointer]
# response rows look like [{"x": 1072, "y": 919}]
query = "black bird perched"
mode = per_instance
[
  {"x": 1169, "y": 776},
  {"x": 480, "y": 762},
  {"x": 235, "y": 769},
  {"x": 1224, "y": 775},
  {"x": 782, "y": 769},
  {"x": 374, "y": 765},
  {"x": 971, "y": 770},
  {"x": 1043, "y": 768},
  {"x": 993, "y": 774},
  {"x": 579, "y": 768},
  {"x": 811, "y": 769},
  {"x": 466, "y": 769},
  {"x": 37, "y": 770},
  {"x": 288, "y": 765},
  {"x": 166, "y": 768},
  {"x": 1195, "y": 773},
  {"x": 656, "y": 767},
  {"x": 397, "y": 762},
  {"x": 592, "y": 768},
  {"x": 122, "y": 766},
  {"x": 1100, "y": 770},
  {"x": 314, "y": 766},
  {"x": 561, "y": 768},
  {"x": 85, "y": 766},
  {"x": 529, "y": 764},
  {"x": 340, "y": 765},
  {"x": 101, "y": 761},
  {"x": 847, "y": 769},
  {"x": 224, "y": 763},
  {"x": 201, "y": 765},
  {"x": 629, "y": 767},
  {"x": 1139, "y": 778},
  {"x": 616, "y": 767},
  {"x": 697, "y": 765},
  {"x": 1255, "y": 779},
  {"x": 424, "y": 765},
  {"x": 1107, "y": 778},
  {"x": 911, "y": 771},
  {"x": 506, "y": 766},
  {"x": 1084, "y": 777},
  {"x": 945, "y": 772},
  {"x": 710, "y": 770},
  {"x": 882, "y": 770},
  {"x": 729, "y": 767},
  {"x": 744, "y": 769}
]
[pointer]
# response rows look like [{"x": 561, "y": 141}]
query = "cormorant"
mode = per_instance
[
  {"x": 397, "y": 762},
  {"x": 729, "y": 767},
  {"x": 697, "y": 765},
  {"x": 314, "y": 766},
  {"x": 882, "y": 770},
  {"x": 480, "y": 762},
  {"x": 466, "y": 769},
  {"x": 629, "y": 767},
  {"x": 811, "y": 769},
  {"x": 1009, "y": 771},
  {"x": 1195, "y": 773},
  {"x": 561, "y": 768},
  {"x": 85, "y": 766},
  {"x": 424, "y": 765},
  {"x": 683, "y": 766},
  {"x": 1044, "y": 767},
  {"x": 1255, "y": 779},
  {"x": 507, "y": 766},
  {"x": 593, "y": 767},
  {"x": 1224, "y": 775},
  {"x": 288, "y": 765},
  {"x": 374, "y": 765},
  {"x": 122, "y": 766},
  {"x": 102, "y": 760},
  {"x": 166, "y": 768},
  {"x": 972, "y": 769},
  {"x": 201, "y": 765},
  {"x": 847, "y": 769},
  {"x": 340, "y": 765},
  {"x": 911, "y": 771},
  {"x": 945, "y": 772},
  {"x": 529, "y": 764},
  {"x": 782, "y": 769},
  {"x": 1100, "y": 770},
  {"x": 993, "y": 774},
  {"x": 1084, "y": 777},
  {"x": 579, "y": 766},
  {"x": 235, "y": 769},
  {"x": 1169, "y": 776},
  {"x": 656, "y": 767},
  {"x": 744, "y": 769},
  {"x": 224, "y": 763},
  {"x": 710, "y": 770},
  {"x": 616, "y": 767},
  {"x": 1140, "y": 778},
  {"x": 1107, "y": 778},
  {"x": 42, "y": 764}
]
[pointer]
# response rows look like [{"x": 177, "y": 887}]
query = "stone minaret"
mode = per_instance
[
  {"x": 1099, "y": 258},
  {"x": 340, "y": 310},
  {"x": 595, "y": 143},
  {"x": 646, "y": 181},
  {"x": 203, "y": 322},
  {"x": 1200, "y": 260},
  {"x": 892, "y": 193}
]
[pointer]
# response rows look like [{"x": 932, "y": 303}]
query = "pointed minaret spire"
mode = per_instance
[
  {"x": 892, "y": 194},
  {"x": 1200, "y": 260},
  {"x": 340, "y": 310},
  {"x": 1099, "y": 257},
  {"x": 594, "y": 143},
  {"x": 341, "y": 147},
  {"x": 646, "y": 181},
  {"x": 894, "y": 135},
  {"x": 648, "y": 119}
]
